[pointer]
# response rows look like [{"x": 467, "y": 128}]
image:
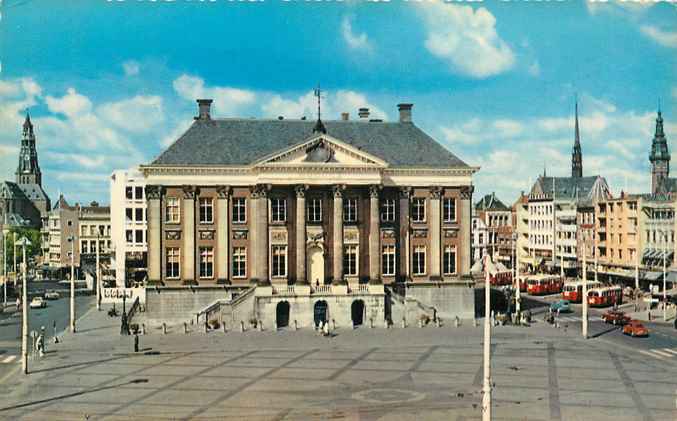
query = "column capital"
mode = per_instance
[
  {"x": 435, "y": 192},
  {"x": 300, "y": 190},
  {"x": 375, "y": 191},
  {"x": 405, "y": 192},
  {"x": 338, "y": 190},
  {"x": 189, "y": 192},
  {"x": 223, "y": 192},
  {"x": 260, "y": 191},
  {"x": 153, "y": 192},
  {"x": 466, "y": 192}
]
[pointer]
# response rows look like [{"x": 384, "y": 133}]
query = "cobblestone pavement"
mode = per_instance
[{"x": 540, "y": 373}]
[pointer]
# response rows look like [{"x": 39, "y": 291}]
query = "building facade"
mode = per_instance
[
  {"x": 312, "y": 209},
  {"x": 496, "y": 221},
  {"x": 129, "y": 225}
]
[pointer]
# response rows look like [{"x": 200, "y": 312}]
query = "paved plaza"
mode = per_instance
[{"x": 540, "y": 373}]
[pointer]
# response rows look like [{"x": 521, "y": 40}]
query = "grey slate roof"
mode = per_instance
[
  {"x": 570, "y": 188},
  {"x": 11, "y": 190},
  {"x": 491, "y": 203},
  {"x": 243, "y": 141},
  {"x": 33, "y": 192}
]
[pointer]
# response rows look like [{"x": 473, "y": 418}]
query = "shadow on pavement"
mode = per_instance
[
  {"x": 71, "y": 395},
  {"x": 76, "y": 365}
]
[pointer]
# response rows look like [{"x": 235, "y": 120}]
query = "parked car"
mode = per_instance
[
  {"x": 635, "y": 328},
  {"x": 616, "y": 317},
  {"x": 561, "y": 305},
  {"x": 52, "y": 295},
  {"x": 38, "y": 302}
]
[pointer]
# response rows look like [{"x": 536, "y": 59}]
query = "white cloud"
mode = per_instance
[
  {"x": 131, "y": 68},
  {"x": 71, "y": 104},
  {"x": 466, "y": 39},
  {"x": 333, "y": 104},
  {"x": 137, "y": 114},
  {"x": 353, "y": 40},
  {"x": 507, "y": 128},
  {"x": 664, "y": 38},
  {"x": 86, "y": 161},
  {"x": 227, "y": 100}
]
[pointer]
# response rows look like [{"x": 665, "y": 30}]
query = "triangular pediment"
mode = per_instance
[{"x": 322, "y": 150}]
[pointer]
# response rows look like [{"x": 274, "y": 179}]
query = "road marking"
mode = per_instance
[
  {"x": 9, "y": 359},
  {"x": 651, "y": 355},
  {"x": 664, "y": 354},
  {"x": 671, "y": 351}
]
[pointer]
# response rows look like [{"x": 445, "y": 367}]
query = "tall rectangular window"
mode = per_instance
[
  {"x": 138, "y": 193},
  {"x": 173, "y": 212},
  {"x": 129, "y": 235},
  {"x": 314, "y": 210},
  {"x": 449, "y": 260},
  {"x": 388, "y": 261},
  {"x": 173, "y": 262},
  {"x": 449, "y": 209},
  {"x": 278, "y": 210},
  {"x": 239, "y": 262},
  {"x": 138, "y": 215},
  {"x": 350, "y": 261},
  {"x": 418, "y": 209},
  {"x": 129, "y": 193},
  {"x": 350, "y": 210},
  {"x": 84, "y": 247},
  {"x": 279, "y": 261},
  {"x": 206, "y": 262},
  {"x": 206, "y": 210},
  {"x": 419, "y": 261},
  {"x": 239, "y": 210},
  {"x": 129, "y": 214},
  {"x": 388, "y": 210},
  {"x": 138, "y": 236}
]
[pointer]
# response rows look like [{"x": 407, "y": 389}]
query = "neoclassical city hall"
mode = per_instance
[{"x": 295, "y": 221}]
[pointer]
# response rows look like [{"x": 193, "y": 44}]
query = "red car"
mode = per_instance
[
  {"x": 635, "y": 328},
  {"x": 615, "y": 317}
]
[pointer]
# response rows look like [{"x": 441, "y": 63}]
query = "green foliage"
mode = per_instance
[{"x": 32, "y": 251}]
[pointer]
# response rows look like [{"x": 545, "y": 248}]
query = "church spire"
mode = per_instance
[
  {"x": 28, "y": 171},
  {"x": 659, "y": 156},
  {"x": 577, "y": 154}
]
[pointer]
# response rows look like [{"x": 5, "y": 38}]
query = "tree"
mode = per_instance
[{"x": 32, "y": 251}]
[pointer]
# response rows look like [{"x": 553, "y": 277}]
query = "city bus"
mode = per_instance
[
  {"x": 573, "y": 291},
  {"x": 605, "y": 296},
  {"x": 544, "y": 284}
]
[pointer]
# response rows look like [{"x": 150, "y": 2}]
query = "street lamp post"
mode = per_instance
[
  {"x": 72, "y": 301},
  {"x": 584, "y": 319},
  {"x": 24, "y": 310},
  {"x": 14, "y": 249},
  {"x": 665, "y": 302},
  {"x": 486, "y": 388},
  {"x": 98, "y": 273},
  {"x": 517, "y": 278},
  {"x": 4, "y": 270}
]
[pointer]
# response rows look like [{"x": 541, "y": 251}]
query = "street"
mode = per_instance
[{"x": 10, "y": 327}]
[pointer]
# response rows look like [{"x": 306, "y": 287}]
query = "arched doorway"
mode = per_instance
[
  {"x": 357, "y": 312},
  {"x": 282, "y": 314},
  {"x": 316, "y": 265},
  {"x": 320, "y": 312}
]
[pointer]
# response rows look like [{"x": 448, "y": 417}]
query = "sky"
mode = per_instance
[{"x": 110, "y": 84}]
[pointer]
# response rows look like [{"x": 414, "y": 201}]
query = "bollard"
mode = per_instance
[
  {"x": 296, "y": 325},
  {"x": 437, "y": 322},
  {"x": 474, "y": 322},
  {"x": 164, "y": 328},
  {"x": 371, "y": 322},
  {"x": 136, "y": 343},
  {"x": 260, "y": 325},
  {"x": 456, "y": 321},
  {"x": 143, "y": 328},
  {"x": 404, "y": 322},
  {"x": 333, "y": 324},
  {"x": 420, "y": 323},
  {"x": 241, "y": 326},
  {"x": 185, "y": 327},
  {"x": 225, "y": 330}
]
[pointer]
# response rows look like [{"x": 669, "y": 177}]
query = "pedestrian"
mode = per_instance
[
  {"x": 136, "y": 342},
  {"x": 326, "y": 329},
  {"x": 18, "y": 303}
]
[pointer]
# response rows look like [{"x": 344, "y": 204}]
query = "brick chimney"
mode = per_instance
[
  {"x": 345, "y": 116},
  {"x": 405, "y": 112},
  {"x": 204, "y": 109},
  {"x": 363, "y": 113}
]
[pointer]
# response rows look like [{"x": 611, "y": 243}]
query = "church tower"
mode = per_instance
[
  {"x": 576, "y": 154},
  {"x": 659, "y": 157},
  {"x": 28, "y": 171}
]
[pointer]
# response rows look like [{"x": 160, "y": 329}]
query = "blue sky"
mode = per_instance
[{"x": 111, "y": 83}]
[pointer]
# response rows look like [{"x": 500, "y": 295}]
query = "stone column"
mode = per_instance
[
  {"x": 465, "y": 224},
  {"x": 222, "y": 235},
  {"x": 259, "y": 228},
  {"x": 403, "y": 245},
  {"x": 188, "y": 217},
  {"x": 435, "y": 228},
  {"x": 154, "y": 216},
  {"x": 338, "y": 234},
  {"x": 374, "y": 236},
  {"x": 300, "y": 227}
]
